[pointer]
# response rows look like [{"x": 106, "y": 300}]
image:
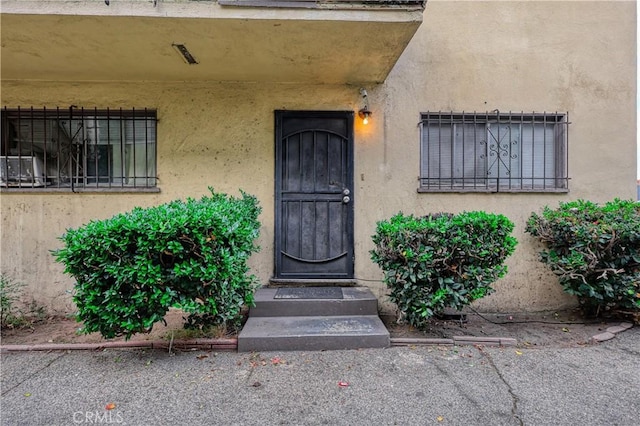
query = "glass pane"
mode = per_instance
[
  {"x": 470, "y": 165},
  {"x": 454, "y": 155},
  {"x": 437, "y": 151},
  {"x": 95, "y": 150},
  {"x": 502, "y": 152}
]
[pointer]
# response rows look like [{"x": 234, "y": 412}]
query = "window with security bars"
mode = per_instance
[
  {"x": 78, "y": 149},
  {"x": 493, "y": 152}
]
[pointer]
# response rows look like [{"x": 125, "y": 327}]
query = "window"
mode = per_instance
[
  {"x": 78, "y": 149},
  {"x": 493, "y": 152}
]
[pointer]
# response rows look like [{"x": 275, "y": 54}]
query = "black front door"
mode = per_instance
[{"x": 314, "y": 195}]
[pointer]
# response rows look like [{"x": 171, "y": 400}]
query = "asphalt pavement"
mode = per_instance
[{"x": 597, "y": 384}]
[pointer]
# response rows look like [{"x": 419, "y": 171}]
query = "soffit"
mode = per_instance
[{"x": 132, "y": 41}]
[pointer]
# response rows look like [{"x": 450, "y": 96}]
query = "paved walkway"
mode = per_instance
[{"x": 597, "y": 384}]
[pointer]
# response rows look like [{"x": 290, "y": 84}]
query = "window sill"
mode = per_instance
[
  {"x": 493, "y": 190},
  {"x": 44, "y": 190}
]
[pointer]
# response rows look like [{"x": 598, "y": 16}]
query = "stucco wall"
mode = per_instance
[
  {"x": 513, "y": 56},
  {"x": 210, "y": 134},
  {"x": 531, "y": 56}
]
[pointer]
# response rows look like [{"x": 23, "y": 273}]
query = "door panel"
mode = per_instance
[{"x": 314, "y": 214}]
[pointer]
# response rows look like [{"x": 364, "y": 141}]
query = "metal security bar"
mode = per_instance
[
  {"x": 494, "y": 152},
  {"x": 78, "y": 149}
]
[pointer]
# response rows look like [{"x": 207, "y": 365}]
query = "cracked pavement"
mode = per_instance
[{"x": 423, "y": 385}]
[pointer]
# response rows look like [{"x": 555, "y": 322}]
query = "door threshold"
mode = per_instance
[{"x": 307, "y": 282}]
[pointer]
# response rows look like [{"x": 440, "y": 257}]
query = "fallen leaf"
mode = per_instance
[
  {"x": 518, "y": 353},
  {"x": 343, "y": 384},
  {"x": 110, "y": 406},
  {"x": 276, "y": 360},
  {"x": 256, "y": 384},
  {"x": 439, "y": 418},
  {"x": 202, "y": 356},
  {"x": 565, "y": 329},
  {"x": 27, "y": 394}
]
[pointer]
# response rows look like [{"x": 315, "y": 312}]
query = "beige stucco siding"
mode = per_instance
[
  {"x": 511, "y": 56},
  {"x": 516, "y": 56},
  {"x": 209, "y": 134}
]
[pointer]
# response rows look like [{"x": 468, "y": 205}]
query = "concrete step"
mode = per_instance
[
  {"x": 301, "y": 282},
  {"x": 313, "y": 301},
  {"x": 312, "y": 333}
]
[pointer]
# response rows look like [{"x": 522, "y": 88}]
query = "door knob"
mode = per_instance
[
  {"x": 346, "y": 199},
  {"x": 346, "y": 191}
]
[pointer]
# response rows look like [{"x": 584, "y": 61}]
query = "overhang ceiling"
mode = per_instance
[{"x": 327, "y": 42}]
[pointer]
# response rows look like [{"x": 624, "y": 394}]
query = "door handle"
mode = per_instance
[{"x": 345, "y": 196}]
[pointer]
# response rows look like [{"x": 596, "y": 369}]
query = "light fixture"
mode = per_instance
[
  {"x": 364, "y": 112},
  {"x": 186, "y": 55}
]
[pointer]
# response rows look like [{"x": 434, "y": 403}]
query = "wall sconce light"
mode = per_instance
[
  {"x": 364, "y": 112},
  {"x": 186, "y": 55}
]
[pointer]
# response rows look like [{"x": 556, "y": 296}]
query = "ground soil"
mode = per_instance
[
  {"x": 562, "y": 328},
  {"x": 65, "y": 329},
  {"x": 542, "y": 329}
]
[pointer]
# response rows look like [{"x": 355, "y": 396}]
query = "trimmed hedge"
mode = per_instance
[
  {"x": 130, "y": 269},
  {"x": 443, "y": 260},
  {"x": 595, "y": 252}
]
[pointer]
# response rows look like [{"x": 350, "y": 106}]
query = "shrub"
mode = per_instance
[
  {"x": 10, "y": 292},
  {"x": 439, "y": 261},
  {"x": 130, "y": 269},
  {"x": 594, "y": 250}
]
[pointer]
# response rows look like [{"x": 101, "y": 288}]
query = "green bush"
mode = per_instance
[
  {"x": 192, "y": 255},
  {"x": 10, "y": 292},
  {"x": 594, "y": 250},
  {"x": 443, "y": 260}
]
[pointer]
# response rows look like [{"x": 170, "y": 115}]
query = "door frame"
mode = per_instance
[{"x": 279, "y": 116}]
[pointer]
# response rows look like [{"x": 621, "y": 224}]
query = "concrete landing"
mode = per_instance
[
  {"x": 313, "y": 333},
  {"x": 354, "y": 301}
]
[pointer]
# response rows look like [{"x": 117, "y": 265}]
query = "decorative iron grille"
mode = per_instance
[
  {"x": 78, "y": 148},
  {"x": 494, "y": 152}
]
